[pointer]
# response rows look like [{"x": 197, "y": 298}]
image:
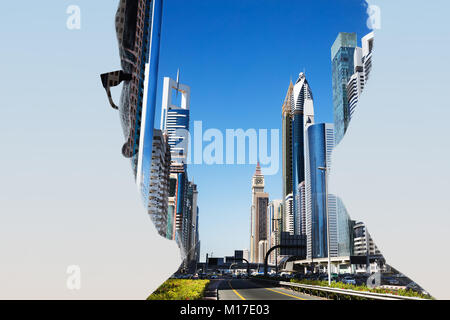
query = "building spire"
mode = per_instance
[
  {"x": 258, "y": 170},
  {"x": 286, "y": 108},
  {"x": 178, "y": 81}
]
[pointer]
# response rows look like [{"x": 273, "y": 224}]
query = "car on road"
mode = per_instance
[
  {"x": 299, "y": 276},
  {"x": 349, "y": 280},
  {"x": 391, "y": 281}
]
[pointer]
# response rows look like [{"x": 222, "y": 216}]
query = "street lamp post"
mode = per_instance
[{"x": 325, "y": 171}]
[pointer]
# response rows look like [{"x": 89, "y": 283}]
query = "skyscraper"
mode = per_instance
[
  {"x": 287, "y": 141},
  {"x": 183, "y": 195},
  {"x": 363, "y": 245},
  {"x": 171, "y": 210},
  {"x": 367, "y": 48},
  {"x": 189, "y": 225},
  {"x": 274, "y": 214},
  {"x": 159, "y": 185},
  {"x": 345, "y": 230},
  {"x": 177, "y": 201},
  {"x": 286, "y": 114},
  {"x": 288, "y": 219},
  {"x": 356, "y": 83},
  {"x": 258, "y": 215},
  {"x": 342, "y": 53},
  {"x": 138, "y": 28},
  {"x": 319, "y": 144},
  {"x": 302, "y": 208},
  {"x": 362, "y": 65},
  {"x": 194, "y": 240},
  {"x": 302, "y": 116},
  {"x": 263, "y": 247},
  {"x": 175, "y": 118}
]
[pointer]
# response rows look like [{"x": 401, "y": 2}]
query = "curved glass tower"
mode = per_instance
[
  {"x": 138, "y": 30},
  {"x": 318, "y": 218},
  {"x": 319, "y": 145}
]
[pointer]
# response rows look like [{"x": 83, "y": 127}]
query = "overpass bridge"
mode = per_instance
[{"x": 233, "y": 266}]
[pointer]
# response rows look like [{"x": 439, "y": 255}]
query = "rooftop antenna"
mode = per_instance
[{"x": 178, "y": 81}]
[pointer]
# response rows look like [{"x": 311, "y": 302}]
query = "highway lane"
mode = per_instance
[{"x": 244, "y": 289}]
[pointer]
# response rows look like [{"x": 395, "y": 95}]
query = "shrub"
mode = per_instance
[
  {"x": 180, "y": 289},
  {"x": 340, "y": 285}
]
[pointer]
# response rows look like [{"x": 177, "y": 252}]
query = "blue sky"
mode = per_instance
[{"x": 237, "y": 56}]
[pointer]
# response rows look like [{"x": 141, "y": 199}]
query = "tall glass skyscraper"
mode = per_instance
[
  {"x": 138, "y": 28},
  {"x": 319, "y": 145},
  {"x": 178, "y": 188},
  {"x": 287, "y": 142},
  {"x": 345, "y": 230},
  {"x": 362, "y": 65},
  {"x": 342, "y": 69},
  {"x": 145, "y": 121},
  {"x": 302, "y": 117},
  {"x": 183, "y": 203}
]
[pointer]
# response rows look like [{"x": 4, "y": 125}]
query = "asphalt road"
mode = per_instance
[{"x": 243, "y": 289}]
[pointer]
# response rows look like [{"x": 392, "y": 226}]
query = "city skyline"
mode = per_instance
[
  {"x": 213, "y": 215},
  {"x": 216, "y": 89},
  {"x": 174, "y": 117},
  {"x": 239, "y": 58}
]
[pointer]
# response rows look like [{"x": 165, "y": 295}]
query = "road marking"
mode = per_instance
[
  {"x": 237, "y": 293},
  {"x": 286, "y": 294}
]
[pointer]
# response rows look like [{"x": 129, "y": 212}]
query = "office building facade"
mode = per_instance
[
  {"x": 302, "y": 117},
  {"x": 183, "y": 200},
  {"x": 362, "y": 66},
  {"x": 287, "y": 141},
  {"x": 274, "y": 226},
  {"x": 189, "y": 226},
  {"x": 263, "y": 247},
  {"x": 159, "y": 183},
  {"x": 363, "y": 245},
  {"x": 288, "y": 219},
  {"x": 177, "y": 201},
  {"x": 138, "y": 29},
  {"x": 175, "y": 118},
  {"x": 320, "y": 204},
  {"x": 345, "y": 230},
  {"x": 342, "y": 53}
]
